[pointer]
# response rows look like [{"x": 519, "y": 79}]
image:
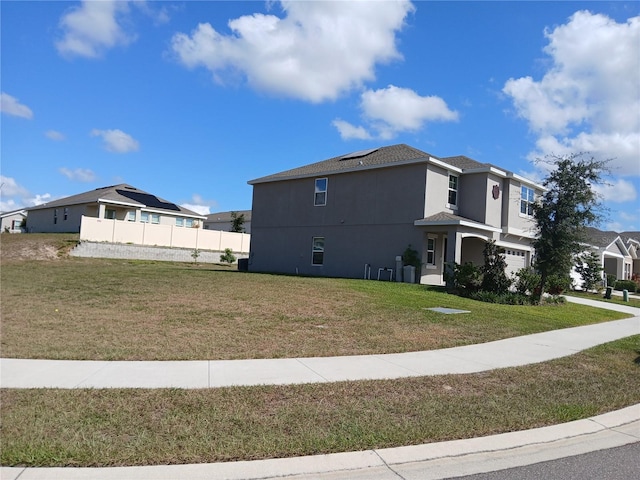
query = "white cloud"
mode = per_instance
[
  {"x": 11, "y": 106},
  {"x": 200, "y": 205},
  {"x": 589, "y": 99},
  {"x": 54, "y": 135},
  {"x": 93, "y": 27},
  {"x": 617, "y": 191},
  {"x": 315, "y": 52},
  {"x": 39, "y": 199},
  {"x": 79, "y": 174},
  {"x": 389, "y": 111},
  {"x": 10, "y": 188},
  {"x": 14, "y": 196},
  {"x": 349, "y": 132},
  {"x": 116, "y": 141}
]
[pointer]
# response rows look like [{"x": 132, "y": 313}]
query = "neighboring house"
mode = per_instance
[
  {"x": 13, "y": 221},
  {"x": 351, "y": 215},
  {"x": 613, "y": 252},
  {"x": 223, "y": 221},
  {"x": 117, "y": 202},
  {"x": 632, "y": 242}
]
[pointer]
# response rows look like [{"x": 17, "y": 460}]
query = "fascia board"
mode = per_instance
[{"x": 461, "y": 223}]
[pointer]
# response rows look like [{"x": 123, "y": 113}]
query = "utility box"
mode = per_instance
[{"x": 409, "y": 274}]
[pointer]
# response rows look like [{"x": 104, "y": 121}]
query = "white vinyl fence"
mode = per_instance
[{"x": 119, "y": 231}]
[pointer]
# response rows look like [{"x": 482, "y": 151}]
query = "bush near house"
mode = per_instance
[{"x": 629, "y": 285}]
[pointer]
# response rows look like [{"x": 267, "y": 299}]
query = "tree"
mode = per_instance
[
  {"x": 589, "y": 268},
  {"x": 494, "y": 277},
  {"x": 237, "y": 222},
  {"x": 567, "y": 207}
]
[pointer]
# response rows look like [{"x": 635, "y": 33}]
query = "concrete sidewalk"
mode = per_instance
[{"x": 511, "y": 352}]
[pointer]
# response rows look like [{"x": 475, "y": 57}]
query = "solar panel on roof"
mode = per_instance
[
  {"x": 358, "y": 154},
  {"x": 148, "y": 200}
]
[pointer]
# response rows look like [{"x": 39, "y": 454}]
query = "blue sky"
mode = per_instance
[{"x": 190, "y": 100}]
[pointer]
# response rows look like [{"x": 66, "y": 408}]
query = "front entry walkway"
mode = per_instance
[{"x": 511, "y": 352}]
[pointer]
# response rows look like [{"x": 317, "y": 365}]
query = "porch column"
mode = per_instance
[
  {"x": 454, "y": 251},
  {"x": 101, "y": 209}
]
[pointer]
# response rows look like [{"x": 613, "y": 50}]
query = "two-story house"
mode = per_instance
[
  {"x": 351, "y": 215},
  {"x": 116, "y": 202}
]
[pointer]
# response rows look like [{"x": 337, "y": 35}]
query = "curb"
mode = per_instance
[{"x": 432, "y": 461}]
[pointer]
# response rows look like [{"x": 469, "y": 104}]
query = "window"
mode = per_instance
[
  {"x": 155, "y": 218},
  {"x": 317, "y": 253},
  {"x": 179, "y": 222},
  {"x": 144, "y": 217},
  {"x": 526, "y": 201},
  {"x": 431, "y": 251},
  {"x": 452, "y": 199},
  {"x": 188, "y": 222},
  {"x": 55, "y": 216},
  {"x": 66, "y": 213},
  {"x": 110, "y": 214},
  {"x": 320, "y": 196},
  {"x": 131, "y": 216}
]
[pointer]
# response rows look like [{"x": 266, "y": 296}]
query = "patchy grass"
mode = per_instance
[
  {"x": 140, "y": 427},
  {"x": 100, "y": 309}
]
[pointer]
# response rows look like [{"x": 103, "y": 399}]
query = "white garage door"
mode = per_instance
[{"x": 516, "y": 259}]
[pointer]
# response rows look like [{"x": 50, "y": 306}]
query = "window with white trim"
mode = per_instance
[
  {"x": 527, "y": 199},
  {"x": 320, "y": 192},
  {"x": 179, "y": 222},
  {"x": 55, "y": 216},
  {"x": 317, "y": 251},
  {"x": 431, "y": 251},
  {"x": 452, "y": 198},
  {"x": 110, "y": 213},
  {"x": 188, "y": 222},
  {"x": 155, "y": 218},
  {"x": 131, "y": 216},
  {"x": 144, "y": 217}
]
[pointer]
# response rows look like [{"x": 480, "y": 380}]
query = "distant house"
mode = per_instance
[
  {"x": 13, "y": 221},
  {"x": 222, "y": 221},
  {"x": 351, "y": 215},
  {"x": 612, "y": 251},
  {"x": 116, "y": 202},
  {"x": 632, "y": 242}
]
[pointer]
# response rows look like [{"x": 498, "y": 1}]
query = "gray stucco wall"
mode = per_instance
[
  {"x": 139, "y": 252},
  {"x": 42, "y": 220},
  {"x": 368, "y": 218}
]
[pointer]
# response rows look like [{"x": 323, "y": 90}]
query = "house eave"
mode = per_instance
[
  {"x": 357, "y": 168},
  {"x": 456, "y": 223}
]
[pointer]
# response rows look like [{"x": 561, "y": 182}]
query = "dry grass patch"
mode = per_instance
[{"x": 139, "y": 427}]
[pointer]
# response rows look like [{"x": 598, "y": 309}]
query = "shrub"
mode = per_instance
[
  {"x": 508, "y": 298},
  {"x": 410, "y": 257},
  {"x": 465, "y": 278},
  {"x": 494, "y": 278},
  {"x": 556, "y": 284},
  {"x": 629, "y": 285},
  {"x": 526, "y": 280},
  {"x": 589, "y": 268},
  {"x": 611, "y": 280},
  {"x": 227, "y": 256}
]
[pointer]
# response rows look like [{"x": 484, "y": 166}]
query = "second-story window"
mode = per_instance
[
  {"x": 320, "y": 194},
  {"x": 452, "y": 198},
  {"x": 527, "y": 198}
]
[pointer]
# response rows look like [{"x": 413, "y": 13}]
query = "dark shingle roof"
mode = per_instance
[
  {"x": 118, "y": 193},
  {"x": 226, "y": 216},
  {"x": 373, "y": 158},
  {"x": 600, "y": 238},
  {"x": 464, "y": 163}
]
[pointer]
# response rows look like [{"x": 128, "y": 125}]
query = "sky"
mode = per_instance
[{"x": 190, "y": 100}]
